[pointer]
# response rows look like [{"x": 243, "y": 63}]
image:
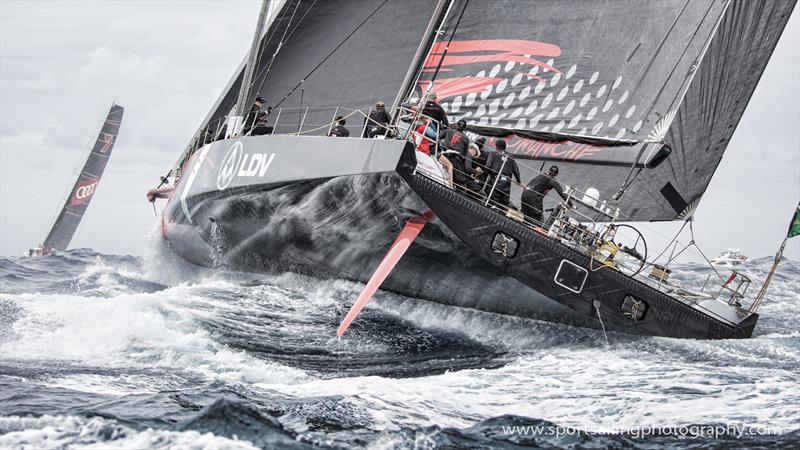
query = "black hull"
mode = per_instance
[
  {"x": 341, "y": 227},
  {"x": 537, "y": 260}
]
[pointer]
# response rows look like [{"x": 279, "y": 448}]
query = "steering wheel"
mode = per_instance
[{"x": 634, "y": 251}]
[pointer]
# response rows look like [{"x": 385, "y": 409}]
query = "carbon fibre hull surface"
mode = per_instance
[
  {"x": 337, "y": 226},
  {"x": 597, "y": 291}
]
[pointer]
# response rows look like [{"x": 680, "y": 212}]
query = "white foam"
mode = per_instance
[{"x": 57, "y": 432}]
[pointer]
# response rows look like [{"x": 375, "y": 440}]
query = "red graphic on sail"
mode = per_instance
[
  {"x": 461, "y": 53},
  {"x": 84, "y": 191},
  {"x": 107, "y": 139}
]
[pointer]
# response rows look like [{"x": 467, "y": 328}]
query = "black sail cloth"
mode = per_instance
[{"x": 674, "y": 71}]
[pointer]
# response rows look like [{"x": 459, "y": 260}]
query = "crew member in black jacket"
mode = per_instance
[
  {"x": 533, "y": 196},
  {"x": 377, "y": 122},
  {"x": 502, "y": 167}
]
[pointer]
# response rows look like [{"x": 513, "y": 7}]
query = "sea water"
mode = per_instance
[{"x": 109, "y": 351}]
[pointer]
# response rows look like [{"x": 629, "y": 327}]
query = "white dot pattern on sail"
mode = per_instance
[
  {"x": 601, "y": 91},
  {"x": 486, "y": 92},
  {"x": 583, "y": 131},
  {"x": 483, "y": 121},
  {"x": 637, "y": 126},
  {"x": 623, "y": 97},
  {"x": 549, "y": 63},
  {"x": 613, "y": 120},
  {"x": 556, "y": 78},
  {"x": 481, "y": 110},
  {"x": 470, "y": 99},
  {"x": 596, "y": 129},
  {"x": 558, "y": 126},
  {"x": 526, "y": 91},
  {"x": 521, "y": 123},
  {"x": 534, "y": 70},
  {"x": 493, "y": 106},
  {"x": 456, "y": 105},
  {"x": 574, "y": 121},
  {"x": 545, "y": 129},
  {"x": 446, "y": 106},
  {"x": 616, "y": 82},
  {"x": 608, "y": 105},
  {"x": 571, "y": 71},
  {"x": 510, "y": 65},
  {"x": 539, "y": 87},
  {"x": 516, "y": 113},
  {"x": 501, "y": 86},
  {"x": 568, "y": 108},
  {"x": 585, "y": 99},
  {"x": 535, "y": 120},
  {"x": 620, "y": 133},
  {"x": 509, "y": 100},
  {"x": 591, "y": 113},
  {"x": 516, "y": 80},
  {"x": 562, "y": 93},
  {"x": 531, "y": 108},
  {"x": 593, "y": 78},
  {"x": 547, "y": 99},
  {"x": 552, "y": 114},
  {"x": 577, "y": 87},
  {"x": 630, "y": 111},
  {"x": 495, "y": 70}
]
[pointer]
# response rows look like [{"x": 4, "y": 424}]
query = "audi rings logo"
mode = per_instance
[
  {"x": 230, "y": 163},
  {"x": 84, "y": 191}
]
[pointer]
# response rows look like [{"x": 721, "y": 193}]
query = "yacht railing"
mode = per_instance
[{"x": 307, "y": 121}]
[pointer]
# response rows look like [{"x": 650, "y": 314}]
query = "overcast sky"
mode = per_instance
[{"x": 63, "y": 63}]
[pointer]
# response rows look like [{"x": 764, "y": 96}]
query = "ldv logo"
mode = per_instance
[
  {"x": 84, "y": 191},
  {"x": 236, "y": 163}
]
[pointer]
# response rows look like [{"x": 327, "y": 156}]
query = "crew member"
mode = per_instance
[
  {"x": 377, "y": 123},
  {"x": 422, "y": 141},
  {"x": 435, "y": 112},
  {"x": 339, "y": 130},
  {"x": 456, "y": 143},
  {"x": 256, "y": 118},
  {"x": 503, "y": 168},
  {"x": 533, "y": 195},
  {"x": 473, "y": 169}
]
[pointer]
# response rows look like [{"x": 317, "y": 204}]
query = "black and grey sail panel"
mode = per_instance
[
  {"x": 367, "y": 66},
  {"x": 71, "y": 214},
  {"x": 673, "y": 71}
]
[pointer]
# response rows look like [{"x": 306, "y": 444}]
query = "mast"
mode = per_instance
[
  {"x": 82, "y": 192},
  {"x": 438, "y": 16},
  {"x": 247, "y": 77}
]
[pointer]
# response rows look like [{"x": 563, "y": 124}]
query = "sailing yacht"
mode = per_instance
[
  {"x": 635, "y": 103},
  {"x": 63, "y": 229}
]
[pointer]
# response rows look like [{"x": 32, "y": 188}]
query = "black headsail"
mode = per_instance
[
  {"x": 612, "y": 84},
  {"x": 70, "y": 217}
]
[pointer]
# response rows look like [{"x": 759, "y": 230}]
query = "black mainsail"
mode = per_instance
[{"x": 82, "y": 192}]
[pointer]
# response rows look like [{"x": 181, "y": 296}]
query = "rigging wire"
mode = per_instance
[
  {"x": 265, "y": 71},
  {"x": 447, "y": 47},
  {"x": 363, "y": 22}
]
